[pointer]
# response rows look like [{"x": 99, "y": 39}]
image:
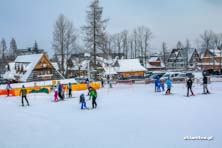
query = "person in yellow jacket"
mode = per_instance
[{"x": 23, "y": 93}]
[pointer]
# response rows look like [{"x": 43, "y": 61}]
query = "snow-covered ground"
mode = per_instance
[{"x": 127, "y": 117}]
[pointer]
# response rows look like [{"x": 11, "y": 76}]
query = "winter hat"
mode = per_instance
[{"x": 82, "y": 95}]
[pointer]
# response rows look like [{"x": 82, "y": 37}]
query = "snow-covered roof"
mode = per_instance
[
  {"x": 216, "y": 52},
  {"x": 55, "y": 65},
  {"x": 130, "y": 65},
  {"x": 153, "y": 59},
  {"x": 149, "y": 66},
  {"x": 110, "y": 70},
  {"x": 32, "y": 60}
]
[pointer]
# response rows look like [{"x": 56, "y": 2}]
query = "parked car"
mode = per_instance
[
  {"x": 153, "y": 77},
  {"x": 148, "y": 74},
  {"x": 3, "y": 81},
  {"x": 170, "y": 75}
]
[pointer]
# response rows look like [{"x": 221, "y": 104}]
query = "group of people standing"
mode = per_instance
[
  {"x": 159, "y": 84},
  {"x": 59, "y": 91},
  {"x": 59, "y": 94}
]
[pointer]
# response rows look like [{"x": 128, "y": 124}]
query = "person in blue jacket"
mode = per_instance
[
  {"x": 169, "y": 85},
  {"x": 82, "y": 100},
  {"x": 162, "y": 85},
  {"x": 157, "y": 84}
]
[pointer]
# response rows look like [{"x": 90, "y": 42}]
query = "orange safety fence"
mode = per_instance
[{"x": 75, "y": 87}]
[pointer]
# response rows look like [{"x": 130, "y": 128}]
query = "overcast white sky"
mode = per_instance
[{"x": 169, "y": 20}]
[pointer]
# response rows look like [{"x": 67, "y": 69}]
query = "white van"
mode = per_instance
[{"x": 170, "y": 75}]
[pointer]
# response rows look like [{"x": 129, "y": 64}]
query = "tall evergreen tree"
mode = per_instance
[
  {"x": 13, "y": 47},
  {"x": 3, "y": 48},
  {"x": 35, "y": 47},
  {"x": 95, "y": 29}
]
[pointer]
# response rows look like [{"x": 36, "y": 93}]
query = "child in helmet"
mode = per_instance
[{"x": 82, "y": 100}]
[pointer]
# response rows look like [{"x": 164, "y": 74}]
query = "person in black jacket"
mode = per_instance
[
  {"x": 205, "y": 82},
  {"x": 189, "y": 87}
]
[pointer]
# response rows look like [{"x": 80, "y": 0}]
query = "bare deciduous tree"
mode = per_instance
[
  {"x": 63, "y": 38},
  {"x": 207, "y": 39}
]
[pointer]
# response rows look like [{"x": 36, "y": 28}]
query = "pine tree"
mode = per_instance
[
  {"x": 13, "y": 47},
  {"x": 35, "y": 47},
  {"x": 3, "y": 48},
  {"x": 95, "y": 29}
]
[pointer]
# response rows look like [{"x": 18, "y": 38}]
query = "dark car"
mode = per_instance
[{"x": 3, "y": 81}]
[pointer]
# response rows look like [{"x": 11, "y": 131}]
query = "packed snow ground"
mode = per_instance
[{"x": 127, "y": 117}]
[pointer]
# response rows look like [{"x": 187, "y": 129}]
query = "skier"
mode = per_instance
[
  {"x": 169, "y": 85},
  {"x": 110, "y": 82},
  {"x": 102, "y": 82},
  {"x": 93, "y": 94},
  {"x": 205, "y": 82},
  {"x": 60, "y": 91},
  {"x": 23, "y": 92},
  {"x": 189, "y": 87},
  {"x": 162, "y": 85},
  {"x": 8, "y": 88},
  {"x": 87, "y": 83},
  {"x": 82, "y": 100},
  {"x": 56, "y": 94},
  {"x": 70, "y": 90},
  {"x": 157, "y": 84}
]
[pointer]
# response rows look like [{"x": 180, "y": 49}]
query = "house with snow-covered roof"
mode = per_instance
[
  {"x": 35, "y": 67},
  {"x": 185, "y": 58},
  {"x": 211, "y": 59},
  {"x": 130, "y": 67},
  {"x": 155, "y": 63}
]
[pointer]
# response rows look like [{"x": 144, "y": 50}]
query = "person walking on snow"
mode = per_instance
[
  {"x": 56, "y": 94},
  {"x": 162, "y": 85},
  {"x": 8, "y": 88},
  {"x": 60, "y": 91},
  {"x": 93, "y": 95},
  {"x": 82, "y": 100},
  {"x": 169, "y": 85},
  {"x": 205, "y": 82},
  {"x": 189, "y": 87},
  {"x": 157, "y": 84},
  {"x": 23, "y": 93},
  {"x": 70, "y": 90}
]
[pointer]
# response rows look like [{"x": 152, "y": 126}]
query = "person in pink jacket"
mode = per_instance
[{"x": 56, "y": 94}]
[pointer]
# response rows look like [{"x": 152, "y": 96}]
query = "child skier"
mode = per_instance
[
  {"x": 162, "y": 85},
  {"x": 93, "y": 94},
  {"x": 157, "y": 85},
  {"x": 56, "y": 94},
  {"x": 23, "y": 92},
  {"x": 8, "y": 87},
  {"x": 82, "y": 100},
  {"x": 189, "y": 87},
  {"x": 169, "y": 85}
]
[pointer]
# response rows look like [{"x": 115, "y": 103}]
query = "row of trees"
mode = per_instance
[
  {"x": 133, "y": 43},
  {"x": 208, "y": 40},
  {"x": 7, "y": 51}
]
